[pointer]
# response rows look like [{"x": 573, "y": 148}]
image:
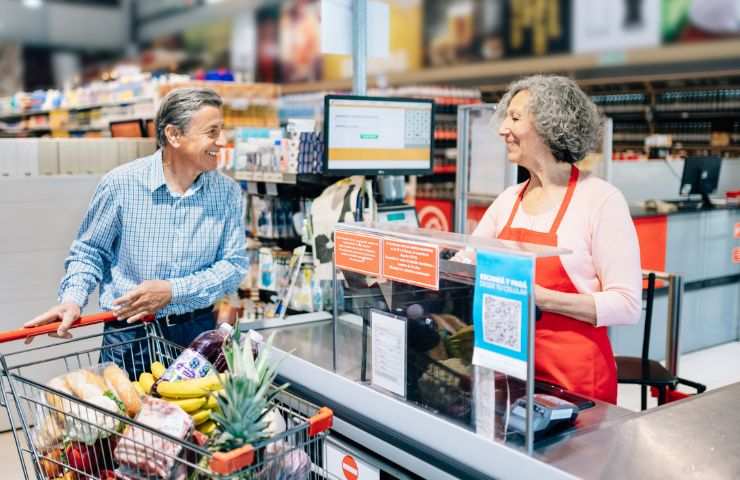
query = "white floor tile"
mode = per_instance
[{"x": 714, "y": 367}]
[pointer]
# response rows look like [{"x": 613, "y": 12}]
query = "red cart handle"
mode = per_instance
[{"x": 26, "y": 332}]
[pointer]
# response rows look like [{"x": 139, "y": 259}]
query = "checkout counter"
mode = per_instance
[{"x": 430, "y": 428}]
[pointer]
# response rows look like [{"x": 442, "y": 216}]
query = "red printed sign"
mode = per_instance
[
  {"x": 349, "y": 468},
  {"x": 736, "y": 255},
  {"x": 411, "y": 262},
  {"x": 358, "y": 252},
  {"x": 475, "y": 214},
  {"x": 434, "y": 214}
]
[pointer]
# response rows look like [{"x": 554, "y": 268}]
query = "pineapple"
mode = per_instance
[{"x": 247, "y": 395}]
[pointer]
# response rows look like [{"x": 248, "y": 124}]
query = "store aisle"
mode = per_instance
[{"x": 701, "y": 366}]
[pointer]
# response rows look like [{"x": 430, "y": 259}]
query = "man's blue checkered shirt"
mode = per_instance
[{"x": 136, "y": 229}]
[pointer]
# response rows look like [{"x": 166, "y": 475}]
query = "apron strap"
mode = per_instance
[
  {"x": 519, "y": 197},
  {"x": 566, "y": 200},
  {"x": 572, "y": 181}
]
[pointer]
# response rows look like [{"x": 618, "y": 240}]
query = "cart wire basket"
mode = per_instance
[{"x": 61, "y": 436}]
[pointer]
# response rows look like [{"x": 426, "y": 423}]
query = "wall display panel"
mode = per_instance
[
  {"x": 697, "y": 20},
  {"x": 300, "y": 41},
  {"x": 406, "y": 26},
  {"x": 268, "y": 44},
  {"x": 603, "y": 26},
  {"x": 537, "y": 27}
]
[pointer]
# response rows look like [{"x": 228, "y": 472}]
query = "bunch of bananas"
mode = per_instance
[{"x": 197, "y": 397}]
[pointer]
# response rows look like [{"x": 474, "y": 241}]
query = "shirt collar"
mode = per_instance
[
  {"x": 156, "y": 176},
  {"x": 156, "y": 171}
]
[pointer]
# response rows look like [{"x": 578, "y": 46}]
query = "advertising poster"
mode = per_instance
[
  {"x": 268, "y": 44},
  {"x": 697, "y": 20},
  {"x": 615, "y": 25},
  {"x": 300, "y": 41},
  {"x": 503, "y": 285},
  {"x": 406, "y": 31},
  {"x": 462, "y": 31},
  {"x": 537, "y": 27}
]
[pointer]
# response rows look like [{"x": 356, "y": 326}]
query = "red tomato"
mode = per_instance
[{"x": 78, "y": 457}]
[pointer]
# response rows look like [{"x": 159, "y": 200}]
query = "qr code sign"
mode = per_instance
[{"x": 502, "y": 321}]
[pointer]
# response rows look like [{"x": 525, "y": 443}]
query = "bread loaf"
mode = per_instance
[{"x": 123, "y": 388}]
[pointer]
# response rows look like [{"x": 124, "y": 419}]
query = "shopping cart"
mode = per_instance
[{"x": 41, "y": 419}]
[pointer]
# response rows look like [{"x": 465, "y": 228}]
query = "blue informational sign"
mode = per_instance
[{"x": 503, "y": 285}]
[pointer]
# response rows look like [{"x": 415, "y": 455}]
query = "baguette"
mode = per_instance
[
  {"x": 55, "y": 401},
  {"x": 82, "y": 389},
  {"x": 124, "y": 389}
]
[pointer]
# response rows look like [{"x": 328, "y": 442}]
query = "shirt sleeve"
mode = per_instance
[
  {"x": 92, "y": 250},
  {"x": 201, "y": 289},
  {"x": 616, "y": 256}
]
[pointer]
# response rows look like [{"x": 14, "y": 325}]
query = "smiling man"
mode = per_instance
[{"x": 163, "y": 236}]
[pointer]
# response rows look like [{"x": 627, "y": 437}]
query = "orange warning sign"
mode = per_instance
[
  {"x": 411, "y": 262},
  {"x": 737, "y": 229},
  {"x": 349, "y": 468},
  {"x": 358, "y": 252},
  {"x": 736, "y": 255}
]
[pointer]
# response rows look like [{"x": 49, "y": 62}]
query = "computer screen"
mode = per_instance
[
  {"x": 377, "y": 136},
  {"x": 700, "y": 175},
  {"x": 127, "y": 129}
]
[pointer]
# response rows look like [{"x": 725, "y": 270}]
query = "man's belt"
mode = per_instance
[{"x": 177, "y": 319}]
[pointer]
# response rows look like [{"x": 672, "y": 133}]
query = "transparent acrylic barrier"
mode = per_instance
[{"x": 436, "y": 372}]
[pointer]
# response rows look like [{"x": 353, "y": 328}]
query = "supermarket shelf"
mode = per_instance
[
  {"x": 267, "y": 177},
  {"x": 699, "y": 52},
  {"x": 29, "y": 113},
  {"x": 305, "y": 179},
  {"x": 695, "y": 115}
]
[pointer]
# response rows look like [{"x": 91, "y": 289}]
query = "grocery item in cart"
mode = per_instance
[
  {"x": 200, "y": 358},
  {"x": 289, "y": 463},
  {"x": 119, "y": 382},
  {"x": 148, "y": 453},
  {"x": 75, "y": 421}
]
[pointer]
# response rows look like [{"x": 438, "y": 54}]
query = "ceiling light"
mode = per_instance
[{"x": 32, "y": 3}]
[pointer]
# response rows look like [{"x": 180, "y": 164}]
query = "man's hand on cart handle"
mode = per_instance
[
  {"x": 66, "y": 312},
  {"x": 146, "y": 299}
]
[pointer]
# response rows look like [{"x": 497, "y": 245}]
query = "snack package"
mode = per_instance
[{"x": 154, "y": 455}]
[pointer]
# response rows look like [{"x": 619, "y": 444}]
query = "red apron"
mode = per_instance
[{"x": 568, "y": 352}]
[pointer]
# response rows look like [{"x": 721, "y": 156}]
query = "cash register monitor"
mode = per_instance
[
  {"x": 701, "y": 177},
  {"x": 378, "y": 136}
]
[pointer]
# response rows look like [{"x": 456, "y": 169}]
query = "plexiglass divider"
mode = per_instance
[{"x": 445, "y": 321}]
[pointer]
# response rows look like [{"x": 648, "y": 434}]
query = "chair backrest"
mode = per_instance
[{"x": 649, "y": 297}]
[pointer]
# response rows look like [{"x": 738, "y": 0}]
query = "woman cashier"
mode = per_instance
[{"x": 548, "y": 123}]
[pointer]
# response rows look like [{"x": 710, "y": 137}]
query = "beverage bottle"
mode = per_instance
[{"x": 203, "y": 356}]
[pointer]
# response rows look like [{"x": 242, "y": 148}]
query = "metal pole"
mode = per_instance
[
  {"x": 335, "y": 313},
  {"x": 461, "y": 169},
  {"x": 530, "y": 365},
  {"x": 359, "y": 47},
  {"x": 675, "y": 297}
]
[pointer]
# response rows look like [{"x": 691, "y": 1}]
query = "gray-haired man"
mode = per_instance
[{"x": 163, "y": 235}]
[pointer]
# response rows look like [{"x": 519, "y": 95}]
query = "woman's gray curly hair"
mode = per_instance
[{"x": 564, "y": 116}]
